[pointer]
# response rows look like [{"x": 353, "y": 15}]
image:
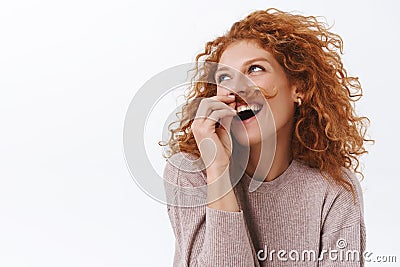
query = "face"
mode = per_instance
[{"x": 252, "y": 65}]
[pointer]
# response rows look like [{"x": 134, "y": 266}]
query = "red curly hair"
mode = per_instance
[{"x": 328, "y": 135}]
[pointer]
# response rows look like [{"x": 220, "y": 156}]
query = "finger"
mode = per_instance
[
  {"x": 232, "y": 105},
  {"x": 207, "y": 106},
  {"x": 212, "y": 120},
  {"x": 228, "y": 100},
  {"x": 206, "y": 125},
  {"x": 218, "y": 115},
  {"x": 224, "y": 98}
]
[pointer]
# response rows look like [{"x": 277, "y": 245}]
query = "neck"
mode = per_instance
[{"x": 264, "y": 153}]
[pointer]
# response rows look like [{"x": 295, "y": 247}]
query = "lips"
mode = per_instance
[{"x": 246, "y": 110}]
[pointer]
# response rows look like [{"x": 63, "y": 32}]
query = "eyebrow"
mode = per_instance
[
  {"x": 222, "y": 69},
  {"x": 248, "y": 62}
]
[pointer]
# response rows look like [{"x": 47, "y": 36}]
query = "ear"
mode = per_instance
[{"x": 295, "y": 92}]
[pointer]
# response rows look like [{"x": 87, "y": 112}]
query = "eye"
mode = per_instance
[
  {"x": 222, "y": 77},
  {"x": 255, "y": 68}
]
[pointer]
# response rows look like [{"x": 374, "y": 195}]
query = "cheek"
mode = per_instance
[
  {"x": 282, "y": 109},
  {"x": 221, "y": 91}
]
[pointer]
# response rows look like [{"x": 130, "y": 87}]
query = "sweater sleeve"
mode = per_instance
[
  {"x": 343, "y": 238},
  {"x": 203, "y": 236}
]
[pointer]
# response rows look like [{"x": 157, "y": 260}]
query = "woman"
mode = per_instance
[{"x": 299, "y": 149}]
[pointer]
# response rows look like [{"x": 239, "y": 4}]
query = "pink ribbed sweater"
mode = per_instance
[{"x": 288, "y": 221}]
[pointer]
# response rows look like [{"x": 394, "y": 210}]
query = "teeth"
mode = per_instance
[{"x": 254, "y": 107}]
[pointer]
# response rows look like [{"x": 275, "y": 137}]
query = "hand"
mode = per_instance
[{"x": 215, "y": 144}]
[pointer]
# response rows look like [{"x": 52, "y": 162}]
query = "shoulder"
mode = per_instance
[
  {"x": 342, "y": 209},
  {"x": 317, "y": 182},
  {"x": 344, "y": 198},
  {"x": 185, "y": 169},
  {"x": 338, "y": 206},
  {"x": 185, "y": 181}
]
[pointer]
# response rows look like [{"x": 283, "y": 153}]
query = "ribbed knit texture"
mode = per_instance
[{"x": 299, "y": 211}]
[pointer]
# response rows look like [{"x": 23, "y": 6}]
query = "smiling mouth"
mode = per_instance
[{"x": 247, "y": 111}]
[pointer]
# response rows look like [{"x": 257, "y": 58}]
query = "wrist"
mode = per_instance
[
  {"x": 217, "y": 171},
  {"x": 228, "y": 202},
  {"x": 218, "y": 185}
]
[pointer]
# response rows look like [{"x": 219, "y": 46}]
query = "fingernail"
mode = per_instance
[{"x": 231, "y": 96}]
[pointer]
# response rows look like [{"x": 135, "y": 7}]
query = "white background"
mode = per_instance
[{"x": 68, "y": 71}]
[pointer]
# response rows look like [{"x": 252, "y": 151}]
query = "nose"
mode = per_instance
[
  {"x": 246, "y": 93},
  {"x": 246, "y": 96},
  {"x": 238, "y": 84},
  {"x": 240, "y": 87}
]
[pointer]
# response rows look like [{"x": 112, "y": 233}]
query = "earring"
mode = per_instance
[{"x": 299, "y": 101}]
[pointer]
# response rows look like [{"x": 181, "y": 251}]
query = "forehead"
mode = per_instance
[{"x": 237, "y": 53}]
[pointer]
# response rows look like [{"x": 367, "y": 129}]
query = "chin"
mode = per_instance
[
  {"x": 252, "y": 136},
  {"x": 247, "y": 139}
]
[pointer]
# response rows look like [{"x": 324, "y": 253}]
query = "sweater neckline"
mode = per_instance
[{"x": 271, "y": 186}]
